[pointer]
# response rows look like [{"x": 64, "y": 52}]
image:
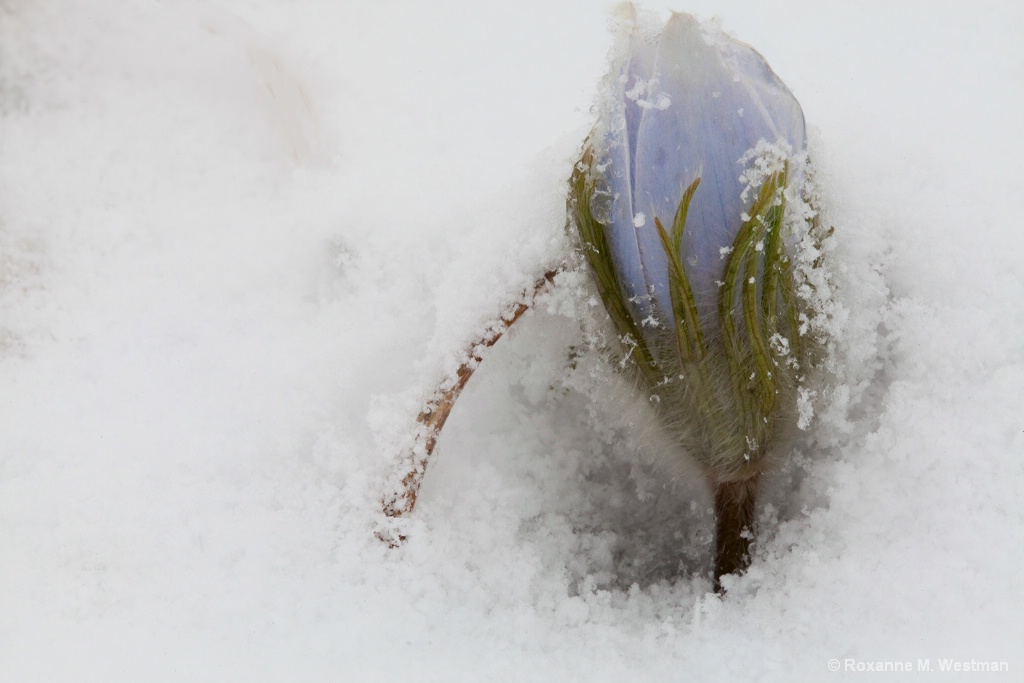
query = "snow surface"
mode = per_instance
[{"x": 240, "y": 240}]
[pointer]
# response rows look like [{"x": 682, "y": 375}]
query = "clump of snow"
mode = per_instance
[{"x": 239, "y": 242}]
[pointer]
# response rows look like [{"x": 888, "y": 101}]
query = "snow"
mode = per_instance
[{"x": 240, "y": 241}]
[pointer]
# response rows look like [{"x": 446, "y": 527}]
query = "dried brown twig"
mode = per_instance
[{"x": 400, "y": 502}]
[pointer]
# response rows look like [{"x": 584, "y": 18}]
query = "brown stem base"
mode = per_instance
[{"x": 734, "y": 512}]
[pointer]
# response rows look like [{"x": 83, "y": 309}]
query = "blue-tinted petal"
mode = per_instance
[
  {"x": 621, "y": 115},
  {"x": 723, "y": 101},
  {"x": 771, "y": 98}
]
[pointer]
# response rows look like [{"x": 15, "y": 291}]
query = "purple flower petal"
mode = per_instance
[{"x": 702, "y": 104}]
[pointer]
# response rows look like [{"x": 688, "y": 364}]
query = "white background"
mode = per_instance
[{"x": 239, "y": 240}]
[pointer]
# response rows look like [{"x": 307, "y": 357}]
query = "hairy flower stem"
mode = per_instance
[{"x": 734, "y": 514}]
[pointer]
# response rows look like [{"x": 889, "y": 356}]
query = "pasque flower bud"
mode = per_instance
[{"x": 691, "y": 203}]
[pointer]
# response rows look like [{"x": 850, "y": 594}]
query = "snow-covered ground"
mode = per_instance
[{"x": 240, "y": 240}]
